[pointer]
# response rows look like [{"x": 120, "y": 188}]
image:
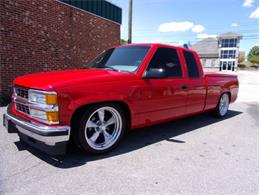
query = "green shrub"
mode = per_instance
[
  {"x": 5, "y": 100},
  {"x": 241, "y": 66},
  {"x": 255, "y": 66}
]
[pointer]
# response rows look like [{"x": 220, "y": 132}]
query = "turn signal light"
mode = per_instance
[
  {"x": 52, "y": 116},
  {"x": 51, "y": 99}
]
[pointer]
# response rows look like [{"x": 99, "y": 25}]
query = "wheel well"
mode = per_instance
[
  {"x": 82, "y": 109},
  {"x": 229, "y": 95}
]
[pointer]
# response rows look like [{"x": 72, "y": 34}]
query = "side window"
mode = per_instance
[
  {"x": 192, "y": 65},
  {"x": 167, "y": 59}
]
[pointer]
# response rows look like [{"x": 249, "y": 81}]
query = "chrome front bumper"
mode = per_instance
[{"x": 49, "y": 139}]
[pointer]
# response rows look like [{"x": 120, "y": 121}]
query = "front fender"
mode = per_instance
[{"x": 73, "y": 99}]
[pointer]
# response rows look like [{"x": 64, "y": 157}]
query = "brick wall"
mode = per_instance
[{"x": 44, "y": 35}]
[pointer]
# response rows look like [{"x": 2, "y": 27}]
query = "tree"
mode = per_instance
[
  {"x": 253, "y": 55},
  {"x": 122, "y": 41},
  {"x": 254, "y": 60},
  {"x": 241, "y": 59}
]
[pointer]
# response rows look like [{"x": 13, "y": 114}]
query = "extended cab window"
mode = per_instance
[
  {"x": 168, "y": 60},
  {"x": 192, "y": 65}
]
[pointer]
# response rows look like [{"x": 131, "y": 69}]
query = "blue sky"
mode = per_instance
[{"x": 180, "y": 21}]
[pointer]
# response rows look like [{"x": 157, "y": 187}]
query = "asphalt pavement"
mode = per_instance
[{"x": 197, "y": 155}]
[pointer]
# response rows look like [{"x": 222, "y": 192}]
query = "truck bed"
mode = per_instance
[
  {"x": 216, "y": 74},
  {"x": 218, "y": 83}
]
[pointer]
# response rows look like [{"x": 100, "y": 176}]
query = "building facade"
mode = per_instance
[
  {"x": 208, "y": 52},
  {"x": 220, "y": 53},
  {"x": 242, "y": 55},
  {"x": 228, "y": 51},
  {"x": 45, "y": 35}
]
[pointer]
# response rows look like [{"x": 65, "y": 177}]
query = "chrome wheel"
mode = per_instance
[
  {"x": 103, "y": 128},
  {"x": 223, "y": 104}
]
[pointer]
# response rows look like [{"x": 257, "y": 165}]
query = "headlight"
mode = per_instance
[
  {"x": 41, "y": 97},
  {"x": 44, "y": 106},
  {"x": 50, "y": 117}
]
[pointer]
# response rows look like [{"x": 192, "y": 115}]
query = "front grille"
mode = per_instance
[
  {"x": 22, "y": 108},
  {"x": 21, "y": 92}
]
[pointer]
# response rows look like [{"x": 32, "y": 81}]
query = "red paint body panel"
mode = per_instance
[{"x": 150, "y": 101}]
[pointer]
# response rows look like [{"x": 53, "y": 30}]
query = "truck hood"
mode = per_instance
[{"x": 55, "y": 79}]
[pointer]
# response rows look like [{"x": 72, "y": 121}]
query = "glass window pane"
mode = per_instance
[
  {"x": 229, "y": 65},
  {"x": 125, "y": 58},
  {"x": 192, "y": 65},
  {"x": 224, "y": 65},
  {"x": 168, "y": 60}
]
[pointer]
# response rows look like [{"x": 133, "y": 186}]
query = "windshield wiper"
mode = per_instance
[{"x": 110, "y": 68}]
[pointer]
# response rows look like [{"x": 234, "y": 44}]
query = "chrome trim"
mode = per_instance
[
  {"x": 36, "y": 131},
  {"x": 21, "y": 99},
  {"x": 21, "y": 88},
  {"x": 110, "y": 129},
  {"x": 34, "y": 105},
  {"x": 41, "y": 107},
  {"x": 42, "y": 92},
  {"x": 39, "y": 92},
  {"x": 37, "y": 108}
]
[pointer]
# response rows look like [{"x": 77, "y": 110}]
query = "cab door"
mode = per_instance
[
  {"x": 196, "y": 86},
  {"x": 163, "y": 98}
]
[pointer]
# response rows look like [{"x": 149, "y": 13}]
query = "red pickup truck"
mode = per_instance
[{"x": 125, "y": 87}]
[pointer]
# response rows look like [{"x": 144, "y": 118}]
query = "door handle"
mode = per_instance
[{"x": 184, "y": 86}]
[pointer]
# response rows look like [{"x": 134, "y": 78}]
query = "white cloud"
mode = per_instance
[
  {"x": 181, "y": 42},
  {"x": 205, "y": 35},
  {"x": 255, "y": 14},
  {"x": 234, "y": 25},
  {"x": 175, "y": 26},
  {"x": 198, "y": 28},
  {"x": 248, "y": 3}
]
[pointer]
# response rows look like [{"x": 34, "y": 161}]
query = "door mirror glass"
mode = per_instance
[{"x": 155, "y": 73}]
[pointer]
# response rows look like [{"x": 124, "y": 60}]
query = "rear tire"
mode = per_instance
[
  {"x": 101, "y": 128},
  {"x": 223, "y": 105}
]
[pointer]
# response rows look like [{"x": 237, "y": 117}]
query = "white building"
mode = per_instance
[
  {"x": 228, "y": 44},
  {"x": 219, "y": 53}
]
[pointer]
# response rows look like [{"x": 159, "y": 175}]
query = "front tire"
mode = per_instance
[
  {"x": 101, "y": 128},
  {"x": 223, "y": 105}
]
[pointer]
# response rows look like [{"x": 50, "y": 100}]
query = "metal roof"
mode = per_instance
[
  {"x": 207, "y": 47},
  {"x": 101, "y": 8},
  {"x": 229, "y": 35}
]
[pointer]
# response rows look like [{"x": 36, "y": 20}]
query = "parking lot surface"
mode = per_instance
[{"x": 197, "y": 155}]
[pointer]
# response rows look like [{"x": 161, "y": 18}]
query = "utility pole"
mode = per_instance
[{"x": 130, "y": 13}]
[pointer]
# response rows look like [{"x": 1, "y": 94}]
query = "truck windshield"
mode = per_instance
[{"x": 125, "y": 58}]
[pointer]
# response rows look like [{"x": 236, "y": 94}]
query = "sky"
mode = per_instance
[{"x": 181, "y": 21}]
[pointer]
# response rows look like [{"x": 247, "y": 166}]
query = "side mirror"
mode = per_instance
[{"x": 155, "y": 73}]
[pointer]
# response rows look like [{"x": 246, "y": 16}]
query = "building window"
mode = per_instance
[
  {"x": 229, "y": 43},
  {"x": 213, "y": 61},
  {"x": 227, "y": 65},
  {"x": 228, "y": 54},
  {"x": 203, "y": 61},
  {"x": 224, "y": 65}
]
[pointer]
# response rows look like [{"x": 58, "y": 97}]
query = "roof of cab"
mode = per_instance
[{"x": 156, "y": 45}]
